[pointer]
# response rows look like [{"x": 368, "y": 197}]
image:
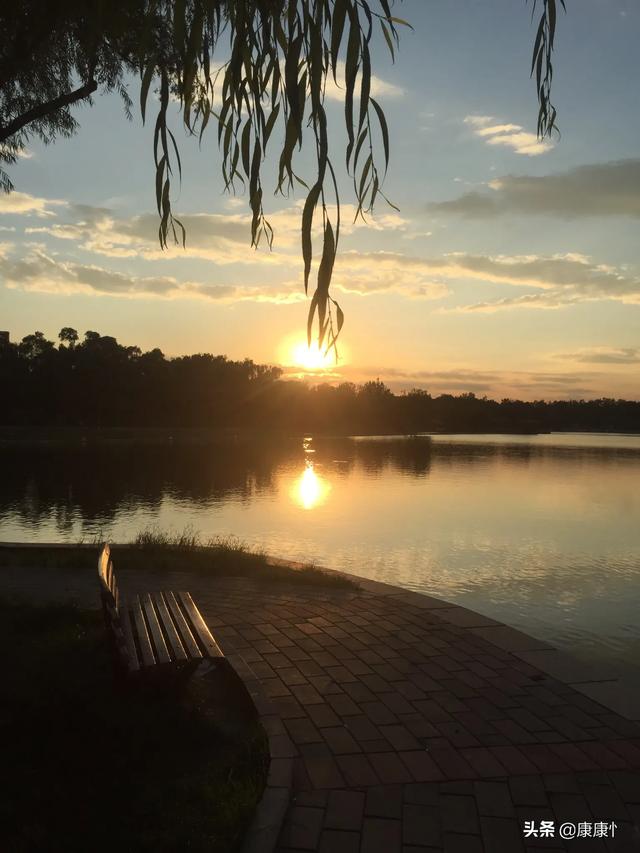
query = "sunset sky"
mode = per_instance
[{"x": 512, "y": 269}]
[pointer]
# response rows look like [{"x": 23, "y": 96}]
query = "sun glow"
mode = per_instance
[
  {"x": 310, "y": 490},
  {"x": 311, "y": 357}
]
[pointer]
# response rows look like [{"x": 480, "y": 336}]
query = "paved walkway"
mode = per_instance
[{"x": 407, "y": 725}]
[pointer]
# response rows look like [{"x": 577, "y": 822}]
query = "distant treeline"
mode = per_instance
[{"x": 98, "y": 382}]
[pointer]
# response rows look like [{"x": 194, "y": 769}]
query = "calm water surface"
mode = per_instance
[{"x": 542, "y": 532}]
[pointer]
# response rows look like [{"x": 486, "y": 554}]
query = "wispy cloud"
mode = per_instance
[
  {"x": 508, "y": 135},
  {"x": 379, "y": 88},
  {"x": 603, "y": 355},
  {"x": 598, "y": 189},
  {"x": 558, "y": 280},
  {"x": 24, "y": 203},
  {"x": 222, "y": 238},
  {"x": 42, "y": 273},
  {"x": 492, "y": 383}
]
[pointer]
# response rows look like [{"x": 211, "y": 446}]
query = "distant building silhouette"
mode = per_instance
[{"x": 4, "y": 339}]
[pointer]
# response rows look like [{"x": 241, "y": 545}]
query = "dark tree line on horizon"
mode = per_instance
[{"x": 97, "y": 382}]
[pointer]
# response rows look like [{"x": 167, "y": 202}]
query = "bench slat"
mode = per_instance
[
  {"x": 143, "y": 637},
  {"x": 175, "y": 642},
  {"x": 200, "y": 626},
  {"x": 162, "y": 653},
  {"x": 183, "y": 627},
  {"x": 130, "y": 644}
]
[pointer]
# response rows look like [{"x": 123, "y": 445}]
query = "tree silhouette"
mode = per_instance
[
  {"x": 273, "y": 71},
  {"x": 101, "y": 383}
]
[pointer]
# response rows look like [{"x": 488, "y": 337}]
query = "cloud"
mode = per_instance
[
  {"x": 604, "y": 355},
  {"x": 41, "y": 273},
  {"x": 24, "y": 203},
  {"x": 508, "y": 135},
  {"x": 222, "y": 238},
  {"x": 367, "y": 273},
  {"x": 492, "y": 383},
  {"x": 379, "y": 88},
  {"x": 599, "y": 189},
  {"x": 563, "y": 279}
]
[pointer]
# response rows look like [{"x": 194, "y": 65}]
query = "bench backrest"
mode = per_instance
[
  {"x": 110, "y": 597},
  {"x": 108, "y": 584}
]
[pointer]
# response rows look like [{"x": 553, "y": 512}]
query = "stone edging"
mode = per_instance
[{"x": 264, "y": 829}]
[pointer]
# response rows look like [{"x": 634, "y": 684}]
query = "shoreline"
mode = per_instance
[
  {"x": 199, "y": 436},
  {"x": 616, "y": 693}
]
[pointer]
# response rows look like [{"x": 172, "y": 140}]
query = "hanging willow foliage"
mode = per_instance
[
  {"x": 542, "y": 65},
  {"x": 279, "y": 56}
]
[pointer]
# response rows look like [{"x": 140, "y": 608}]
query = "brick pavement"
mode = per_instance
[
  {"x": 405, "y": 730},
  {"x": 408, "y": 733}
]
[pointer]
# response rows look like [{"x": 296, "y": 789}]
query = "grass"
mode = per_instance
[
  {"x": 184, "y": 551},
  {"x": 86, "y": 767}
]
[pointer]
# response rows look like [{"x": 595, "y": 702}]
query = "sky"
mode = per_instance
[{"x": 512, "y": 268}]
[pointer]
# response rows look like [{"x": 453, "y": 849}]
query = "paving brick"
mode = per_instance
[
  {"x": 457, "y": 735},
  {"x": 381, "y": 836},
  {"x": 306, "y": 694},
  {"x": 343, "y": 705},
  {"x": 359, "y": 692},
  {"x": 452, "y": 764},
  {"x": 545, "y": 759},
  {"x": 307, "y": 667},
  {"x": 605, "y": 803},
  {"x": 493, "y": 799},
  {"x": 421, "y": 825},
  {"x": 311, "y": 798},
  {"x": 302, "y": 828},
  {"x": 325, "y": 685},
  {"x": 274, "y": 687},
  {"x": 389, "y": 768},
  {"x": 421, "y": 766},
  {"x": 384, "y": 801},
  {"x": 570, "y": 807},
  {"x": 459, "y": 813},
  {"x": 378, "y": 713},
  {"x": 432, "y": 711},
  {"x": 340, "y": 740},
  {"x": 422, "y": 793},
  {"x": 514, "y": 731},
  {"x": 400, "y": 737},
  {"x": 287, "y": 707},
  {"x": 474, "y": 723},
  {"x": 501, "y": 834},
  {"x": 334, "y": 841},
  {"x": 357, "y": 770},
  {"x": 396, "y": 703},
  {"x": 513, "y": 759},
  {"x": 456, "y": 843},
  {"x": 483, "y": 762},
  {"x": 345, "y": 810},
  {"x": 418, "y": 726},
  {"x": 302, "y": 730},
  {"x": 573, "y": 756},
  {"x": 357, "y": 667},
  {"x": 564, "y": 783},
  {"x": 603, "y": 757},
  {"x": 323, "y": 715},
  {"x": 375, "y": 683},
  {"x": 323, "y": 772},
  {"x": 627, "y": 750},
  {"x": 528, "y": 791}
]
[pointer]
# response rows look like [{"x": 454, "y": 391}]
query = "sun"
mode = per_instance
[{"x": 311, "y": 357}]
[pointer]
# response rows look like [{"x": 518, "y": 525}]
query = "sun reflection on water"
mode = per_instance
[{"x": 310, "y": 489}]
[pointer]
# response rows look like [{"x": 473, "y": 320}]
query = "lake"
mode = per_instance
[{"x": 541, "y": 532}]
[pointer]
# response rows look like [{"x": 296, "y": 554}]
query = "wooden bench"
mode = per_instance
[{"x": 156, "y": 629}]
